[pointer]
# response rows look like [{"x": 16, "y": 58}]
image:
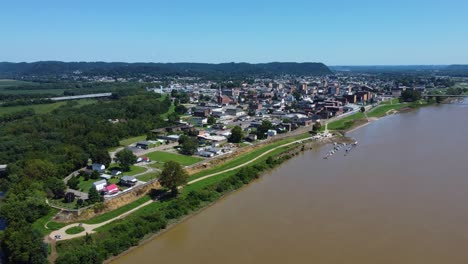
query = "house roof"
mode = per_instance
[
  {"x": 96, "y": 183},
  {"x": 106, "y": 176},
  {"x": 111, "y": 187},
  {"x": 128, "y": 178}
]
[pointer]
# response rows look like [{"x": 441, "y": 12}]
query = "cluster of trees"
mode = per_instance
[
  {"x": 42, "y": 149},
  {"x": 189, "y": 145},
  {"x": 124, "y": 234},
  {"x": 410, "y": 95},
  {"x": 263, "y": 129},
  {"x": 237, "y": 135}
]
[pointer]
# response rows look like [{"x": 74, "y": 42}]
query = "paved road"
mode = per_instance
[{"x": 90, "y": 228}]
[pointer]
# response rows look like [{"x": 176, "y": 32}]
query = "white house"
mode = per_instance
[{"x": 99, "y": 185}]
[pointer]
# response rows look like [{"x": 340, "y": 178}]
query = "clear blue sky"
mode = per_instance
[{"x": 340, "y": 32}]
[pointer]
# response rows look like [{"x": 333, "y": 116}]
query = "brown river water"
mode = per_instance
[{"x": 400, "y": 197}]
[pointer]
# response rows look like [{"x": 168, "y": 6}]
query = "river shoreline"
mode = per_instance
[{"x": 172, "y": 225}]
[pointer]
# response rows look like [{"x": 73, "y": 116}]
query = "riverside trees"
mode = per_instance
[{"x": 173, "y": 176}]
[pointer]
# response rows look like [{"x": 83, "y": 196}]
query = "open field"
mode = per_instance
[
  {"x": 132, "y": 140},
  {"x": 162, "y": 156},
  {"x": 148, "y": 176},
  {"x": 42, "y": 108}
]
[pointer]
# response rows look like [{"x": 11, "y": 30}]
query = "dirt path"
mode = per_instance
[{"x": 89, "y": 228}]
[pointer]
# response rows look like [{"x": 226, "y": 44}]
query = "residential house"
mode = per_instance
[
  {"x": 111, "y": 189},
  {"x": 98, "y": 167},
  {"x": 128, "y": 180},
  {"x": 100, "y": 185}
]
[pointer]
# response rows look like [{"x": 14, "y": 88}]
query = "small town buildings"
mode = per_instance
[
  {"x": 3, "y": 167},
  {"x": 143, "y": 145},
  {"x": 128, "y": 180},
  {"x": 100, "y": 185}
]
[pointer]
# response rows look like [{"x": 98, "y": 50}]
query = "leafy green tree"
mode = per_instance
[
  {"x": 237, "y": 135},
  {"x": 125, "y": 158},
  {"x": 316, "y": 127},
  {"x": 22, "y": 244},
  {"x": 93, "y": 195},
  {"x": 39, "y": 169},
  {"x": 73, "y": 183},
  {"x": 263, "y": 129},
  {"x": 94, "y": 175},
  {"x": 180, "y": 109},
  {"x": 56, "y": 186},
  {"x": 101, "y": 156},
  {"x": 211, "y": 120},
  {"x": 172, "y": 176},
  {"x": 189, "y": 146},
  {"x": 410, "y": 95}
]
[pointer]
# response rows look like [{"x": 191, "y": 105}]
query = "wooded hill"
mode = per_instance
[{"x": 122, "y": 69}]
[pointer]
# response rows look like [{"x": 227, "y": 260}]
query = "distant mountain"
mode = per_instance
[{"x": 44, "y": 68}]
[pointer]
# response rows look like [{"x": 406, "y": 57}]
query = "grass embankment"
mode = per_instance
[
  {"x": 74, "y": 230},
  {"x": 43, "y": 108},
  {"x": 378, "y": 111}
]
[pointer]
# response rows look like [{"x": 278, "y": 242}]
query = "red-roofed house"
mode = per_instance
[{"x": 111, "y": 189}]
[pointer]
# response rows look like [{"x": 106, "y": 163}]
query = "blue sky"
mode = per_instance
[{"x": 353, "y": 32}]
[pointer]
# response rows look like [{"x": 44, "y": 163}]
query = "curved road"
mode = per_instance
[{"x": 89, "y": 228}]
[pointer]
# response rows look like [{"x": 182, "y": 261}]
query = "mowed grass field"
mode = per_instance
[
  {"x": 6, "y": 83},
  {"x": 43, "y": 108},
  {"x": 161, "y": 156}
]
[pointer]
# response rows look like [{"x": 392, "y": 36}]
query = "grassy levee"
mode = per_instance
[
  {"x": 245, "y": 157},
  {"x": 114, "y": 213},
  {"x": 345, "y": 123}
]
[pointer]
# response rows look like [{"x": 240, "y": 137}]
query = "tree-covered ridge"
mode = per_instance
[
  {"x": 68, "y": 136},
  {"x": 8, "y": 69}
]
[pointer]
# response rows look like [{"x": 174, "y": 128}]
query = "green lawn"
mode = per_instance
[
  {"x": 40, "y": 223},
  {"x": 42, "y": 108},
  {"x": 162, "y": 156},
  {"x": 133, "y": 169},
  {"x": 129, "y": 141},
  {"x": 170, "y": 111},
  {"x": 382, "y": 110},
  {"x": 345, "y": 122},
  {"x": 84, "y": 186},
  {"x": 148, "y": 176},
  {"x": 74, "y": 230}
]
